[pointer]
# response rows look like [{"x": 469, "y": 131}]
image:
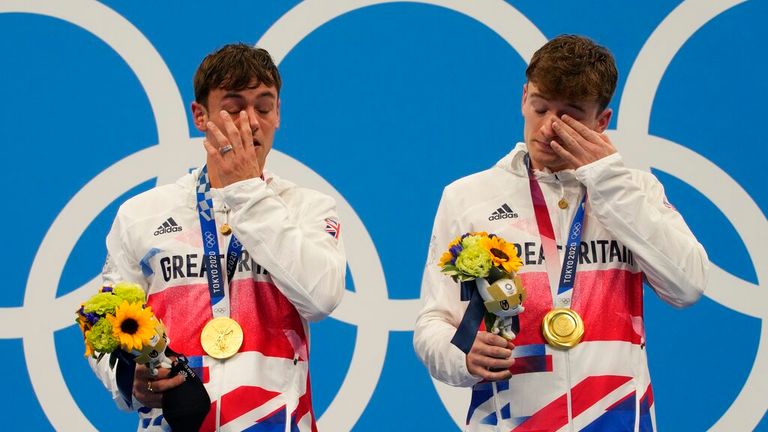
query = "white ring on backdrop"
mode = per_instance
[
  {"x": 98, "y": 193},
  {"x": 741, "y": 210},
  {"x": 370, "y": 308},
  {"x": 685, "y": 19},
  {"x": 39, "y": 345}
]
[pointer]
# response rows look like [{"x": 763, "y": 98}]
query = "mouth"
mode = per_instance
[{"x": 544, "y": 146}]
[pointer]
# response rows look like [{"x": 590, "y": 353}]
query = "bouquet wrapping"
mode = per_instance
[
  {"x": 487, "y": 265},
  {"x": 117, "y": 322}
]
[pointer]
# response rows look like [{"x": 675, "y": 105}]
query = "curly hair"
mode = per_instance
[
  {"x": 574, "y": 68},
  {"x": 234, "y": 67}
]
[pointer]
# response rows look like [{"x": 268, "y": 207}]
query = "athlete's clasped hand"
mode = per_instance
[{"x": 490, "y": 357}]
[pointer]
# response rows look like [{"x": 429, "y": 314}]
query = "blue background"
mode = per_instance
[{"x": 388, "y": 103}]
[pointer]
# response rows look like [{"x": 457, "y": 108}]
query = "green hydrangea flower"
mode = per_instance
[
  {"x": 102, "y": 304},
  {"x": 130, "y": 292},
  {"x": 101, "y": 337},
  {"x": 474, "y": 261},
  {"x": 470, "y": 241}
]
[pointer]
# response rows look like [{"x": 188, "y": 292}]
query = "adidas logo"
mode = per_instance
[
  {"x": 168, "y": 226},
  {"x": 503, "y": 212}
]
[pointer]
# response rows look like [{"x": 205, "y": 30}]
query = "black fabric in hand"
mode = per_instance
[{"x": 186, "y": 406}]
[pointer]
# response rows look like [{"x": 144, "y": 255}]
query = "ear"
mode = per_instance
[
  {"x": 277, "y": 111},
  {"x": 199, "y": 116},
  {"x": 604, "y": 119},
  {"x": 525, "y": 96}
]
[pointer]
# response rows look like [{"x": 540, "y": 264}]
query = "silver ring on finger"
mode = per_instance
[
  {"x": 149, "y": 387},
  {"x": 225, "y": 149}
]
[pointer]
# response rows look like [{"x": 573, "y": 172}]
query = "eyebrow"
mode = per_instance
[
  {"x": 578, "y": 108},
  {"x": 236, "y": 95},
  {"x": 575, "y": 106}
]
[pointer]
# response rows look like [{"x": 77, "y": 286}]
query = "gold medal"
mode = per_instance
[
  {"x": 221, "y": 337},
  {"x": 226, "y": 229},
  {"x": 563, "y": 328},
  {"x": 563, "y": 204}
]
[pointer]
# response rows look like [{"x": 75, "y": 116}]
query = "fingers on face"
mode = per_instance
[
  {"x": 211, "y": 150},
  {"x": 232, "y": 133},
  {"x": 582, "y": 130},
  {"x": 567, "y": 134},
  {"x": 245, "y": 131},
  {"x": 218, "y": 135}
]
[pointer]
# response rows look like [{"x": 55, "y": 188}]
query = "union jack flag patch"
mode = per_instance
[{"x": 333, "y": 227}]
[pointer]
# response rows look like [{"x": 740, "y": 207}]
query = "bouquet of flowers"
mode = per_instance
[
  {"x": 117, "y": 317},
  {"x": 492, "y": 263},
  {"x": 117, "y": 321}
]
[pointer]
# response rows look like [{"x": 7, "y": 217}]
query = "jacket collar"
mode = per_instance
[
  {"x": 188, "y": 183},
  {"x": 515, "y": 162}
]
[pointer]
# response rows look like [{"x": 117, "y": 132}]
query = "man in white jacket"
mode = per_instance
[
  {"x": 234, "y": 243},
  {"x": 626, "y": 233}
]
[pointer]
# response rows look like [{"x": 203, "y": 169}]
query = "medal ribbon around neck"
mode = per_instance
[
  {"x": 573, "y": 245},
  {"x": 216, "y": 285}
]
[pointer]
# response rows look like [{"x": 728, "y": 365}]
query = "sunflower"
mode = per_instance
[
  {"x": 133, "y": 325},
  {"x": 446, "y": 258},
  {"x": 83, "y": 323},
  {"x": 88, "y": 347},
  {"x": 503, "y": 254}
]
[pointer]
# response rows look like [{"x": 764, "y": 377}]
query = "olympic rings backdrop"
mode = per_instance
[{"x": 384, "y": 103}]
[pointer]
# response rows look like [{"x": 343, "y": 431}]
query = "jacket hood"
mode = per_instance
[{"x": 516, "y": 163}]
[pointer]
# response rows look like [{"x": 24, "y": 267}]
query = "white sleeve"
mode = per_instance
[
  {"x": 636, "y": 212},
  {"x": 443, "y": 309},
  {"x": 290, "y": 241},
  {"x": 120, "y": 266}
]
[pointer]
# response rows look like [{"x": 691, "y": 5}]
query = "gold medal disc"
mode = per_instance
[
  {"x": 221, "y": 337},
  {"x": 563, "y": 328},
  {"x": 226, "y": 229}
]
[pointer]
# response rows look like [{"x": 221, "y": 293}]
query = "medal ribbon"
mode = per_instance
[
  {"x": 216, "y": 285},
  {"x": 549, "y": 246}
]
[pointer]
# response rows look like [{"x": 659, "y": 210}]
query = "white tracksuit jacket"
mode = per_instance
[
  {"x": 291, "y": 271},
  {"x": 631, "y": 233}
]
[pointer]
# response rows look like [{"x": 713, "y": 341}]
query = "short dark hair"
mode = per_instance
[
  {"x": 234, "y": 67},
  {"x": 574, "y": 68}
]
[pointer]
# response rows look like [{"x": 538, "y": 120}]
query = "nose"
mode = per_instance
[
  {"x": 253, "y": 118},
  {"x": 546, "y": 127}
]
